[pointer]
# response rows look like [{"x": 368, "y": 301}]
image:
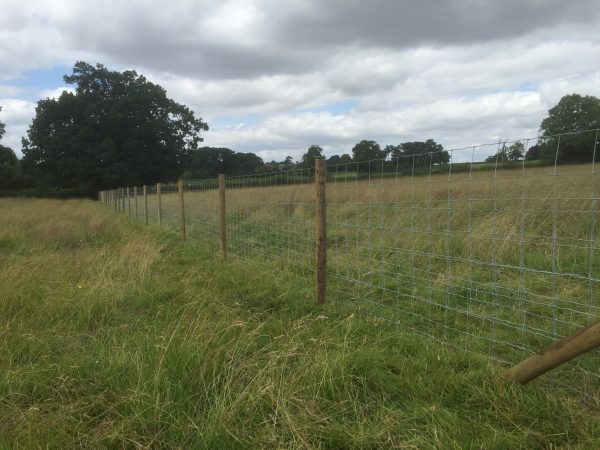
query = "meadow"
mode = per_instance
[
  {"x": 501, "y": 263},
  {"x": 114, "y": 335}
]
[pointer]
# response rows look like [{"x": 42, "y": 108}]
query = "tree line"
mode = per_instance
[{"x": 118, "y": 129}]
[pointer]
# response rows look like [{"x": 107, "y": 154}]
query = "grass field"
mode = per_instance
[
  {"x": 498, "y": 263},
  {"x": 122, "y": 337}
]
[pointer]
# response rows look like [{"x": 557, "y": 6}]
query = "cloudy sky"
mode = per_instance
[{"x": 274, "y": 77}]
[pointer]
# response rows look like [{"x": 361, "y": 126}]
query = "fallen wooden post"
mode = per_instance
[{"x": 558, "y": 353}]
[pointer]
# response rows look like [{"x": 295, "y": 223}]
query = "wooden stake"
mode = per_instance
[
  {"x": 558, "y": 353},
  {"x": 123, "y": 200},
  {"x": 159, "y": 200},
  {"x": 222, "y": 212},
  {"x": 135, "y": 201},
  {"x": 128, "y": 203},
  {"x": 145, "y": 190},
  {"x": 321, "y": 230},
  {"x": 181, "y": 209}
]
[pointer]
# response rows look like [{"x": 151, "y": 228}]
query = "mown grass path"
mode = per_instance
[{"x": 112, "y": 336}]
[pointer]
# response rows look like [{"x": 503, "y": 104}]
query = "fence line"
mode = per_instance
[{"x": 498, "y": 258}]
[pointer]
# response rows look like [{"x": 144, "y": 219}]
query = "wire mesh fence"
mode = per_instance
[{"x": 489, "y": 255}]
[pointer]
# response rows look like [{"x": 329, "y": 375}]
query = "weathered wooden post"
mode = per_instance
[
  {"x": 123, "y": 200},
  {"x": 128, "y": 203},
  {"x": 222, "y": 217},
  {"x": 558, "y": 353},
  {"x": 181, "y": 209},
  {"x": 321, "y": 229},
  {"x": 159, "y": 200}
]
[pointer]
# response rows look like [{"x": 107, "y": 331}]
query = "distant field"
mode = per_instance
[{"x": 115, "y": 336}]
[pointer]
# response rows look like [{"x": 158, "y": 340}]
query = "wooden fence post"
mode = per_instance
[
  {"x": 222, "y": 217},
  {"x": 321, "y": 230},
  {"x": 159, "y": 200},
  {"x": 145, "y": 189},
  {"x": 115, "y": 196},
  {"x": 123, "y": 200},
  {"x": 560, "y": 352},
  {"x": 181, "y": 209},
  {"x": 128, "y": 203},
  {"x": 135, "y": 201}
]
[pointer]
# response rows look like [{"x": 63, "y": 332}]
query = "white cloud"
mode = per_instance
[
  {"x": 16, "y": 114},
  {"x": 472, "y": 72}
]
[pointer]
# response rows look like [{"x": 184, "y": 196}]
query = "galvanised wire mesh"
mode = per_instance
[
  {"x": 499, "y": 258},
  {"x": 271, "y": 219},
  {"x": 202, "y": 212},
  {"x": 495, "y": 257}
]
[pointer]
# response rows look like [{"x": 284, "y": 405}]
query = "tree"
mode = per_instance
[
  {"x": 8, "y": 166},
  {"x": 533, "y": 153},
  {"x": 116, "y": 129},
  {"x": 2, "y": 127},
  {"x": 573, "y": 114},
  {"x": 418, "y": 153},
  {"x": 367, "y": 150},
  {"x": 208, "y": 162},
  {"x": 8, "y": 161},
  {"x": 515, "y": 151},
  {"x": 313, "y": 152}
]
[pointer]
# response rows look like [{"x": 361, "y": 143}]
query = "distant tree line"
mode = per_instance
[{"x": 119, "y": 129}]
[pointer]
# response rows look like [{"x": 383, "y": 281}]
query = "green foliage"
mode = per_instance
[
  {"x": 313, "y": 152},
  {"x": 8, "y": 162},
  {"x": 573, "y": 114},
  {"x": 8, "y": 166},
  {"x": 533, "y": 153},
  {"x": 367, "y": 151},
  {"x": 513, "y": 152},
  {"x": 418, "y": 154},
  {"x": 2, "y": 127},
  {"x": 337, "y": 159},
  {"x": 116, "y": 129},
  {"x": 208, "y": 162}
]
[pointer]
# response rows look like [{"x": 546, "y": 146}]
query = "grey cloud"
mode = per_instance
[{"x": 203, "y": 39}]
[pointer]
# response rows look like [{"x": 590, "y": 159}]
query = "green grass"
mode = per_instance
[{"x": 112, "y": 336}]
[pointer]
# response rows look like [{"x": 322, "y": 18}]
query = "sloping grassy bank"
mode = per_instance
[{"x": 119, "y": 337}]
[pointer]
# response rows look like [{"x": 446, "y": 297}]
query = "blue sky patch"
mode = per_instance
[
  {"x": 335, "y": 109},
  {"x": 42, "y": 78},
  {"x": 230, "y": 121}
]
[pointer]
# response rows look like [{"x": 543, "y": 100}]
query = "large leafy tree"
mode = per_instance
[
  {"x": 313, "y": 152},
  {"x": 116, "y": 129},
  {"x": 573, "y": 114},
  {"x": 8, "y": 161},
  {"x": 418, "y": 153},
  {"x": 211, "y": 161}
]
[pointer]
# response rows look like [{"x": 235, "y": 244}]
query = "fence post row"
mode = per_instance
[
  {"x": 321, "y": 230},
  {"x": 222, "y": 221},
  {"x": 159, "y": 204},
  {"x": 181, "y": 209},
  {"x": 117, "y": 197}
]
